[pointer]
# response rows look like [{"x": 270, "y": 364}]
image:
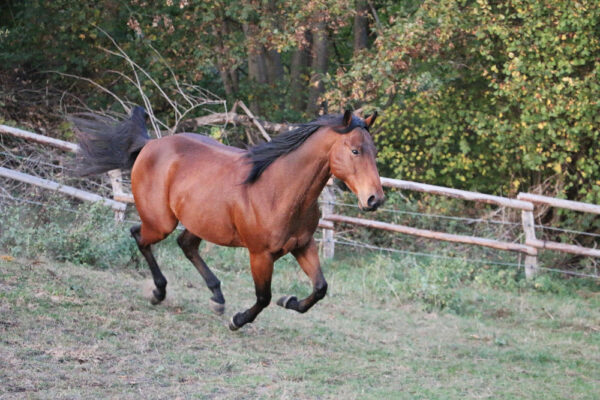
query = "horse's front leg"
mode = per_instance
[
  {"x": 262, "y": 271},
  {"x": 308, "y": 258}
]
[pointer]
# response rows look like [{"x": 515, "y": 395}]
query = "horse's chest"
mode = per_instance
[
  {"x": 291, "y": 243},
  {"x": 280, "y": 232},
  {"x": 301, "y": 230},
  {"x": 295, "y": 242}
]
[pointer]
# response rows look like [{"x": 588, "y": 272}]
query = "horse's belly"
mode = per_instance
[
  {"x": 212, "y": 224},
  {"x": 234, "y": 241},
  {"x": 223, "y": 234}
]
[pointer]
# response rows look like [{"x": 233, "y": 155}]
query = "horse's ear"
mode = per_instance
[
  {"x": 347, "y": 120},
  {"x": 370, "y": 120}
]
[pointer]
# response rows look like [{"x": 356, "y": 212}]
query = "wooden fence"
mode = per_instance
[
  {"x": 116, "y": 205},
  {"x": 525, "y": 202}
]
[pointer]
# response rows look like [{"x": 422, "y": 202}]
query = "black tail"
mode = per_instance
[{"x": 104, "y": 146}]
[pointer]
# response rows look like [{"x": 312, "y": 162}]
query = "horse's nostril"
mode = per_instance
[{"x": 372, "y": 201}]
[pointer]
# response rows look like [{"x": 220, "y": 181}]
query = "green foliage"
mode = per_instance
[
  {"x": 87, "y": 236},
  {"x": 201, "y": 41},
  {"x": 455, "y": 286},
  {"x": 75, "y": 38},
  {"x": 442, "y": 284},
  {"x": 57, "y": 34},
  {"x": 491, "y": 96},
  {"x": 484, "y": 95}
]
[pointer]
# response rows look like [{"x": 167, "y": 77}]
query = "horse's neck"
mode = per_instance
[{"x": 305, "y": 172}]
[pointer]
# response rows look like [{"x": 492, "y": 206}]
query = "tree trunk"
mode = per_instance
[
  {"x": 319, "y": 67},
  {"x": 298, "y": 74},
  {"x": 272, "y": 56},
  {"x": 226, "y": 79},
  {"x": 257, "y": 69},
  {"x": 235, "y": 80},
  {"x": 230, "y": 85},
  {"x": 361, "y": 26},
  {"x": 274, "y": 67}
]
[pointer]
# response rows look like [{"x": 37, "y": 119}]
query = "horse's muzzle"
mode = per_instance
[{"x": 373, "y": 203}]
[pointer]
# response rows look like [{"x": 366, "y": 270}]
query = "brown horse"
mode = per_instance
[{"x": 264, "y": 198}]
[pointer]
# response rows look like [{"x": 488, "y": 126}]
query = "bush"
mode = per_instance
[
  {"x": 87, "y": 235},
  {"x": 439, "y": 284},
  {"x": 490, "y": 96},
  {"x": 456, "y": 286}
]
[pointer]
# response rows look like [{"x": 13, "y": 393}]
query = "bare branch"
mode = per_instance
[
  {"x": 376, "y": 16},
  {"x": 99, "y": 86},
  {"x": 253, "y": 119},
  {"x": 182, "y": 98},
  {"x": 236, "y": 119}
]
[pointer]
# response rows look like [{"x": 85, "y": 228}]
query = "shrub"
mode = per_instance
[
  {"x": 86, "y": 234},
  {"x": 487, "y": 96}
]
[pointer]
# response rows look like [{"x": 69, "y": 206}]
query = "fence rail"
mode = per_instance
[
  {"x": 71, "y": 191},
  {"x": 567, "y": 204},
  {"x": 456, "y": 193},
  {"x": 34, "y": 137},
  {"x": 525, "y": 202},
  {"x": 447, "y": 237},
  {"x": 560, "y": 203}
]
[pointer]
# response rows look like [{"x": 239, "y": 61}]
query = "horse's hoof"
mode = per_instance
[
  {"x": 217, "y": 308},
  {"x": 232, "y": 325},
  {"x": 285, "y": 300},
  {"x": 154, "y": 301},
  {"x": 157, "y": 298}
]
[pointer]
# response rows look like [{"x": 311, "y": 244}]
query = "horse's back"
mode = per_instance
[
  {"x": 207, "y": 140},
  {"x": 184, "y": 151}
]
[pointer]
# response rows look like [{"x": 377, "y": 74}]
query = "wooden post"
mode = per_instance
[
  {"x": 116, "y": 179},
  {"x": 328, "y": 244},
  {"x": 531, "y": 261}
]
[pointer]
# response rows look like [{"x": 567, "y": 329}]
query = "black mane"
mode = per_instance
[{"x": 262, "y": 155}]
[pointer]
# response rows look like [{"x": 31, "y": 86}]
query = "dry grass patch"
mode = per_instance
[{"x": 69, "y": 331}]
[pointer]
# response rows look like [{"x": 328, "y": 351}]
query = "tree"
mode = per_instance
[{"x": 490, "y": 96}]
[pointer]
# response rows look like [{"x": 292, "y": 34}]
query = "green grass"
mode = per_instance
[{"x": 388, "y": 328}]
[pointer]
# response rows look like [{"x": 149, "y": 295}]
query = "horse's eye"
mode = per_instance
[{"x": 355, "y": 152}]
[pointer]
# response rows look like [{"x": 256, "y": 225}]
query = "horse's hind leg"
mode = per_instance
[
  {"x": 189, "y": 244},
  {"x": 308, "y": 258},
  {"x": 159, "y": 279}
]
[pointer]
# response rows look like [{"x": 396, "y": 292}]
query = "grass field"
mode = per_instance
[{"x": 72, "y": 331}]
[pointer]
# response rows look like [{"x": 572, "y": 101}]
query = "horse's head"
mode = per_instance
[{"x": 352, "y": 159}]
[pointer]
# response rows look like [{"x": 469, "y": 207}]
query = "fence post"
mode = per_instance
[
  {"x": 328, "y": 244},
  {"x": 531, "y": 262},
  {"x": 116, "y": 179}
]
